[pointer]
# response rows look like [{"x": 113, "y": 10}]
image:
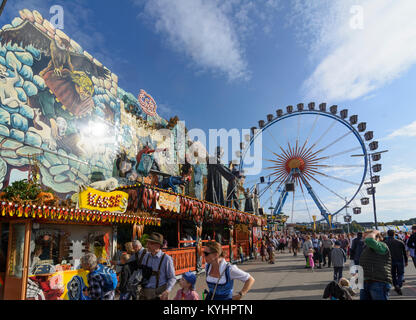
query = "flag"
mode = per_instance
[
  {"x": 397, "y": 227},
  {"x": 314, "y": 222},
  {"x": 405, "y": 227}
]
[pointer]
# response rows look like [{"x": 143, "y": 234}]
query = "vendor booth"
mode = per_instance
[
  {"x": 190, "y": 219},
  {"x": 41, "y": 248}
]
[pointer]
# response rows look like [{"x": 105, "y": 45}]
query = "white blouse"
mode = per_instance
[{"x": 235, "y": 273}]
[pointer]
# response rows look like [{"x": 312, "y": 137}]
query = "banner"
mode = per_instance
[
  {"x": 314, "y": 222},
  {"x": 59, "y": 285},
  {"x": 168, "y": 202},
  {"x": 96, "y": 200},
  {"x": 330, "y": 221}
]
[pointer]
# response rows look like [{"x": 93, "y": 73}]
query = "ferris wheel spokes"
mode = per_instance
[
  {"x": 283, "y": 195},
  {"x": 338, "y": 154},
  {"x": 323, "y": 135},
  {"x": 269, "y": 185},
  {"x": 332, "y": 143},
  {"x": 306, "y": 204},
  {"x": 324, "y": 211},
  {"x": 335, "y": 178},
  {"x": 324, "y": 186},
  {"x": 339, "y": 165},
  {"x": 310, "y": 132}
]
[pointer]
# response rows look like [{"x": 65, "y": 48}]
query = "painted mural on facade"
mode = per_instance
[{"x": 61, "y": 105}]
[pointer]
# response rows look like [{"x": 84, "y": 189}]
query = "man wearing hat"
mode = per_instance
[{"x": 162, "y": 277}]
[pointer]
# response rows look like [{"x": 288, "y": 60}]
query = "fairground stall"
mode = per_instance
[
  {"x": 187, "y": 223},
  {"x": 85, "y": 165},
  {"x": 41, "y": 247}
]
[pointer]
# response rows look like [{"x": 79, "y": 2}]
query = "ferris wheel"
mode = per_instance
[{"x": 314, "y": 161}]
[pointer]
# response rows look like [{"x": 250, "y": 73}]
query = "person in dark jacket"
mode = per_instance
[
  {"x": 338, "y": 258},
  {"x": 411, "y": 244},
  {"x": 335, "y": 291},
  {"x": 376, "y": 263},
  {"x": 398, "y": 260},
  {"x": 326, "y": 248},
  {"x": 356, "y": 248},
  {"x": 125, "y": 275}
]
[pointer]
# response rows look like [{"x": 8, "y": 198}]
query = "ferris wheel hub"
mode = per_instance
[{"x": 295, "y": 163}]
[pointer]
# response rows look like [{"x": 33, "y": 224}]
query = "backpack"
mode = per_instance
[
  {"x": 137, "y": 278},
  {"x": 109, "y": 277}
]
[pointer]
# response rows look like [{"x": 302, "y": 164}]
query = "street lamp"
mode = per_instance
[{"x": 373, "y": 179}]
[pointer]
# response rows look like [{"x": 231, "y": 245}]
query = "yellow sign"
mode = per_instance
[
  {"x": 330, "y": 219},
  {"x": 64, "y": 285},
  {"x": 169, "y": 202},
  {"x": 314, "y": 222},
  {"x": 115, "y": 201}
]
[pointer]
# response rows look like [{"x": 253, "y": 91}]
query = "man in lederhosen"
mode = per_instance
[{"x": 162, "y": 276}]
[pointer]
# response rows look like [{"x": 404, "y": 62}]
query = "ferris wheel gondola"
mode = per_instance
[{"x": 319, "y": 164}]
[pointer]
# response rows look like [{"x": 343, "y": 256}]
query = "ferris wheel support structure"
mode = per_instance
[{"x": 284, "y": 194}]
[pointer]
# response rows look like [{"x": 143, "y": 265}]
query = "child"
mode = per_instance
[
  {"x": 125, "y": 274},
  {"x": 338, "y": 259},
  {"x": 310, "y": 259},
  {"x": 345, "y": 285},
  {"x": 187, "y": 291}
]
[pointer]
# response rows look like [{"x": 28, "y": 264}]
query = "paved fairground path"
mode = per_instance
[{"x": 287, "y": 279}]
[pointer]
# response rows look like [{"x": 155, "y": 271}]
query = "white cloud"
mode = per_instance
[
  {"x": 202, "y": 31},
  {"x": 354, "y": 62},
  {"x": 210, "y": 33},
  {"x": 406, "y": 131},
  {"x": 395, "y": 196}
]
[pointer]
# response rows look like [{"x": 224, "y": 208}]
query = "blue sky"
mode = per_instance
[{"x": 227, "y": 64}]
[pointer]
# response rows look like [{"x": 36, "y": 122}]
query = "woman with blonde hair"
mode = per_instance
[{"x": 220, "y": 275}]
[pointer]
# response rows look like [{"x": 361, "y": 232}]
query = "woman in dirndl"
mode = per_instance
[{"x": 220, "y": 275}]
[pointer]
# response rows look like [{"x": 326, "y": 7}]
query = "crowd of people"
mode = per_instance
[
  {"x": 140, "y": 273},
  {"x": 382, "y": 257}
]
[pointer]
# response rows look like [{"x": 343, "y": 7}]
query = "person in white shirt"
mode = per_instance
[
  {"x": 35, "y": 259},
  {"x": 220, "y": 275}
]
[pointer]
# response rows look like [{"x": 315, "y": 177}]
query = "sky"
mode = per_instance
[{"x": 227, "y": 64}]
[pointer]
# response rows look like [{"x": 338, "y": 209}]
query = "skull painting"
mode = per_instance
[{"x": 62, "y": 126}]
